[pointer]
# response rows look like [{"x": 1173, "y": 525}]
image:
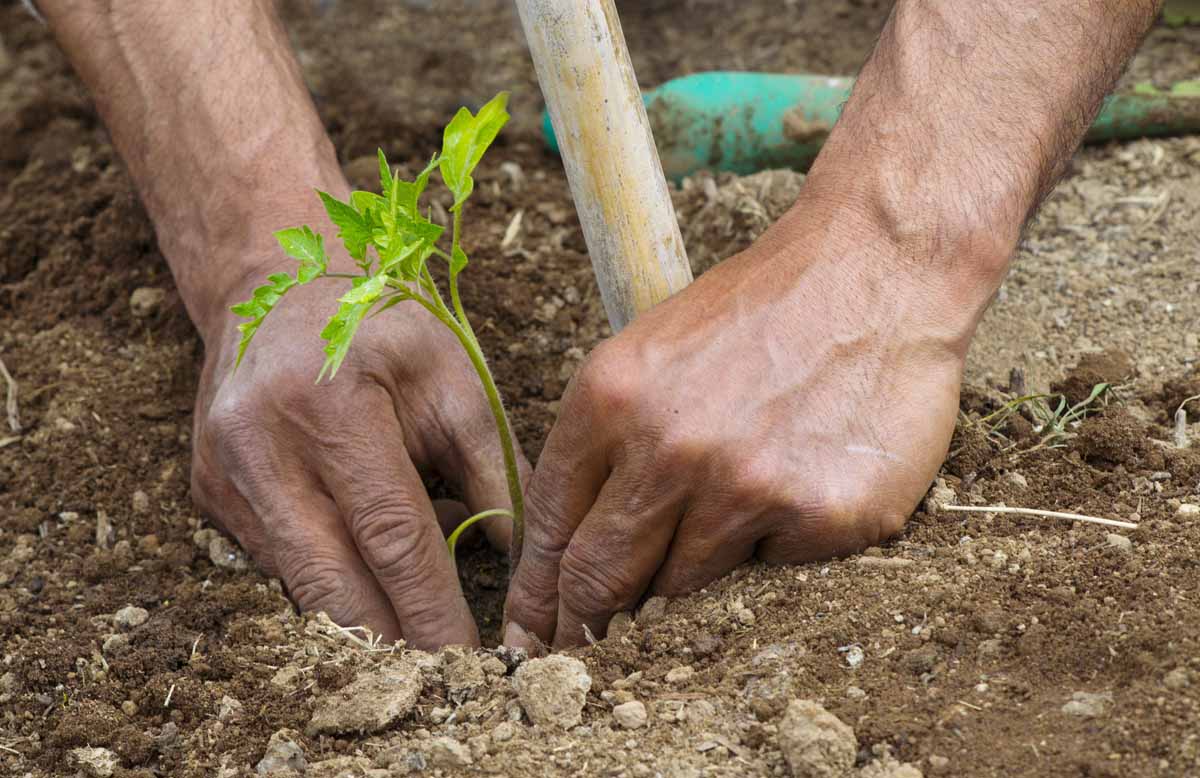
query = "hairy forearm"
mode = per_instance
[
  {"x": 206, "y": 105},
  {"x": 965, "y": 116}
]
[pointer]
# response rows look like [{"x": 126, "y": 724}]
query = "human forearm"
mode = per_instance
[
  {"x": 206, "y": 105},
  {"x": 964, "y": 117}
]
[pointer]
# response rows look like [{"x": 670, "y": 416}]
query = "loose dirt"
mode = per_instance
[{"x": 971, "y": 645}]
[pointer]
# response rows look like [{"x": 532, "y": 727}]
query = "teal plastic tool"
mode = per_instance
[{"x": 743, "y": 122}]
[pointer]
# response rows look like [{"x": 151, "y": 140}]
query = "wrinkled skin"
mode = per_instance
[
  {"x": 793, "y": 404},
  {"x": 320, "y": 482}
]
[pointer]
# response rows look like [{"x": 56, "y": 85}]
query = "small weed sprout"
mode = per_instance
[
  {"x": 1181, "y": 432},
  {"x": 1054, "y": 424},
  {"x": 392, "y": 244}
]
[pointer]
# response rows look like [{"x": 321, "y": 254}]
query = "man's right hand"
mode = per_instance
[{"x": 320, "y": 482}]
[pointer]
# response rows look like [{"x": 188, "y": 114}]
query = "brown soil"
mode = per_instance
[{"x": 975, "y": 631}]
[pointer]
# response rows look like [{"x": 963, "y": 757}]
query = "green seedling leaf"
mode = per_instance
[
  {"x": 385, "y": 175},
  {"x": 464, "y": 141},
  {"x": 302, "y": 244},
  {"x": 365, "y": 291},
  {"x": 257, "y": 307},
  {"x": 353, "y": 229},
  {"x": 339, "y": 332},
  {"x": 458, "y": 261}
]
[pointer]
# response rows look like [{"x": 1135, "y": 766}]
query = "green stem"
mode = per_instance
[
  {"x": 462, "y": 331},
  {"x": 507, "y": 448},
  {"x": 455, "y": 300},
  {"x": 452, "y": 541}
]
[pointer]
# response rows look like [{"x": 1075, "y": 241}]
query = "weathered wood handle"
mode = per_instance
[{"x": 612, "y": 164}]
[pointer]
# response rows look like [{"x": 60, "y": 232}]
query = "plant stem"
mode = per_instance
[
  {"x": 452, "y": 541},
  {"x": 508, "y": 449},
  {"x": 461, "y": 327},
  {"x": 455, "y": 300}
]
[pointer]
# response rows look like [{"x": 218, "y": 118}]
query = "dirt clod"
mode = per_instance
[
  {"x": 448, "y": 753},
  {"x": 130, "y": 616},
  {"x": 815, "y": 743},
  {"x": 1088, "y": 705},
  {"x": 553, "y": 690},
  {"x": 377, "y": 697},
  {"x": 95, "y": 762},
  {"x": 630, "y": 715},
  {"x": 283, "y": 753}
]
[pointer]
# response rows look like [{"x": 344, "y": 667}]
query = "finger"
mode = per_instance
[
  {"x": 806, "y": 536},
  {"x": 223, "y": 505},
  {"x": 561, "y": 491},
  {"x": 383, "y": 503},
  {"x": 484, "y": 483},
  {"x": 614, "y": 554},
  {"x": 450, "y": 513},
  {"x": 295, "y": 533},
  {"x": 710, "y": 541},
  {"x": 321, "y": 567},
  {"x": 476, "y": 466}
]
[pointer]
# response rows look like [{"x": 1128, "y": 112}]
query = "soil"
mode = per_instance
[{"x": 980, "y": 645}]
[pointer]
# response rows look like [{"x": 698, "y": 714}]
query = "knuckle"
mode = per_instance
[
  {"x": 889, "y": 523},
  {"x": 389, "y": 537},
  {"x": 609, "y": 380},
  {"x": 756, "y": 479},
  {"x": 590, "y": 587},
  {"x": 317, "y": 583},
  {"x": 682, "y": 451},
  {"x": 544, "y": 536}
]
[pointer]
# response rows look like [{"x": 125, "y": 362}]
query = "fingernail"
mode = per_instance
[{"x": 515, "y": 636}]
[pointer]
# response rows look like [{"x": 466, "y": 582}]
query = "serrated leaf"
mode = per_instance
[
  {"x": 302, "y": 244},
  {"x": 458, "y": 260},
  {"x": 367, "y": 203},
  {"x": 257, "y": 307},
  {"x": 365, "y": 290},
  {"x": 464, "y": 141},
  {"x": 353, "y": 229},
  {"x": 385, "y": 175},
  {"x": 338, "y": 335}
]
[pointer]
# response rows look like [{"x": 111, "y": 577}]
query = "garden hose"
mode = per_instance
[{"x": 745, "y": 122}]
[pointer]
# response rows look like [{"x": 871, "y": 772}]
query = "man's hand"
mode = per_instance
[
  {"x": 320, "y": 482},
  {"x": 796, "y": 401},
  {"x": 208, "y": 108},
  {"x": 792, "y": 404}
]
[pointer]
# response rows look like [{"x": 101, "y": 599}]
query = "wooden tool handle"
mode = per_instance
[{"x": 616, "y": 179}]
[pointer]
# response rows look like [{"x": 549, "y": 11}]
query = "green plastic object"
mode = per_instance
[{"x": 744, "y": 122}]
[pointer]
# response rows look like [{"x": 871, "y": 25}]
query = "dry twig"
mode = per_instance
[
  {"x": 10, "y": 402},
  {"x": 1036, "y": 512}
]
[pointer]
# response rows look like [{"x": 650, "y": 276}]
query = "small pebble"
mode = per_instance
[
  {"x": 130, "y": 616},
  {"x": 114, "y": 643},
  {"x": 1177, "y": 679},
  {"x": 653, "y": 611},
  {"x": 630, "y": 715},
  {"x": 448, "y": 752},
  {"x": 680, "y": 675},
  {"x": 1188, "y": 511},
  {"x": 1119, "y": 542},
  {"x": 504, "y": 732},
  {"x": 145, "y": 301},
  {"x": 1088, "y": 705}
]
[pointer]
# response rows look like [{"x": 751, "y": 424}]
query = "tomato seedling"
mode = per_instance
[{"x": 392, "y": 244}]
